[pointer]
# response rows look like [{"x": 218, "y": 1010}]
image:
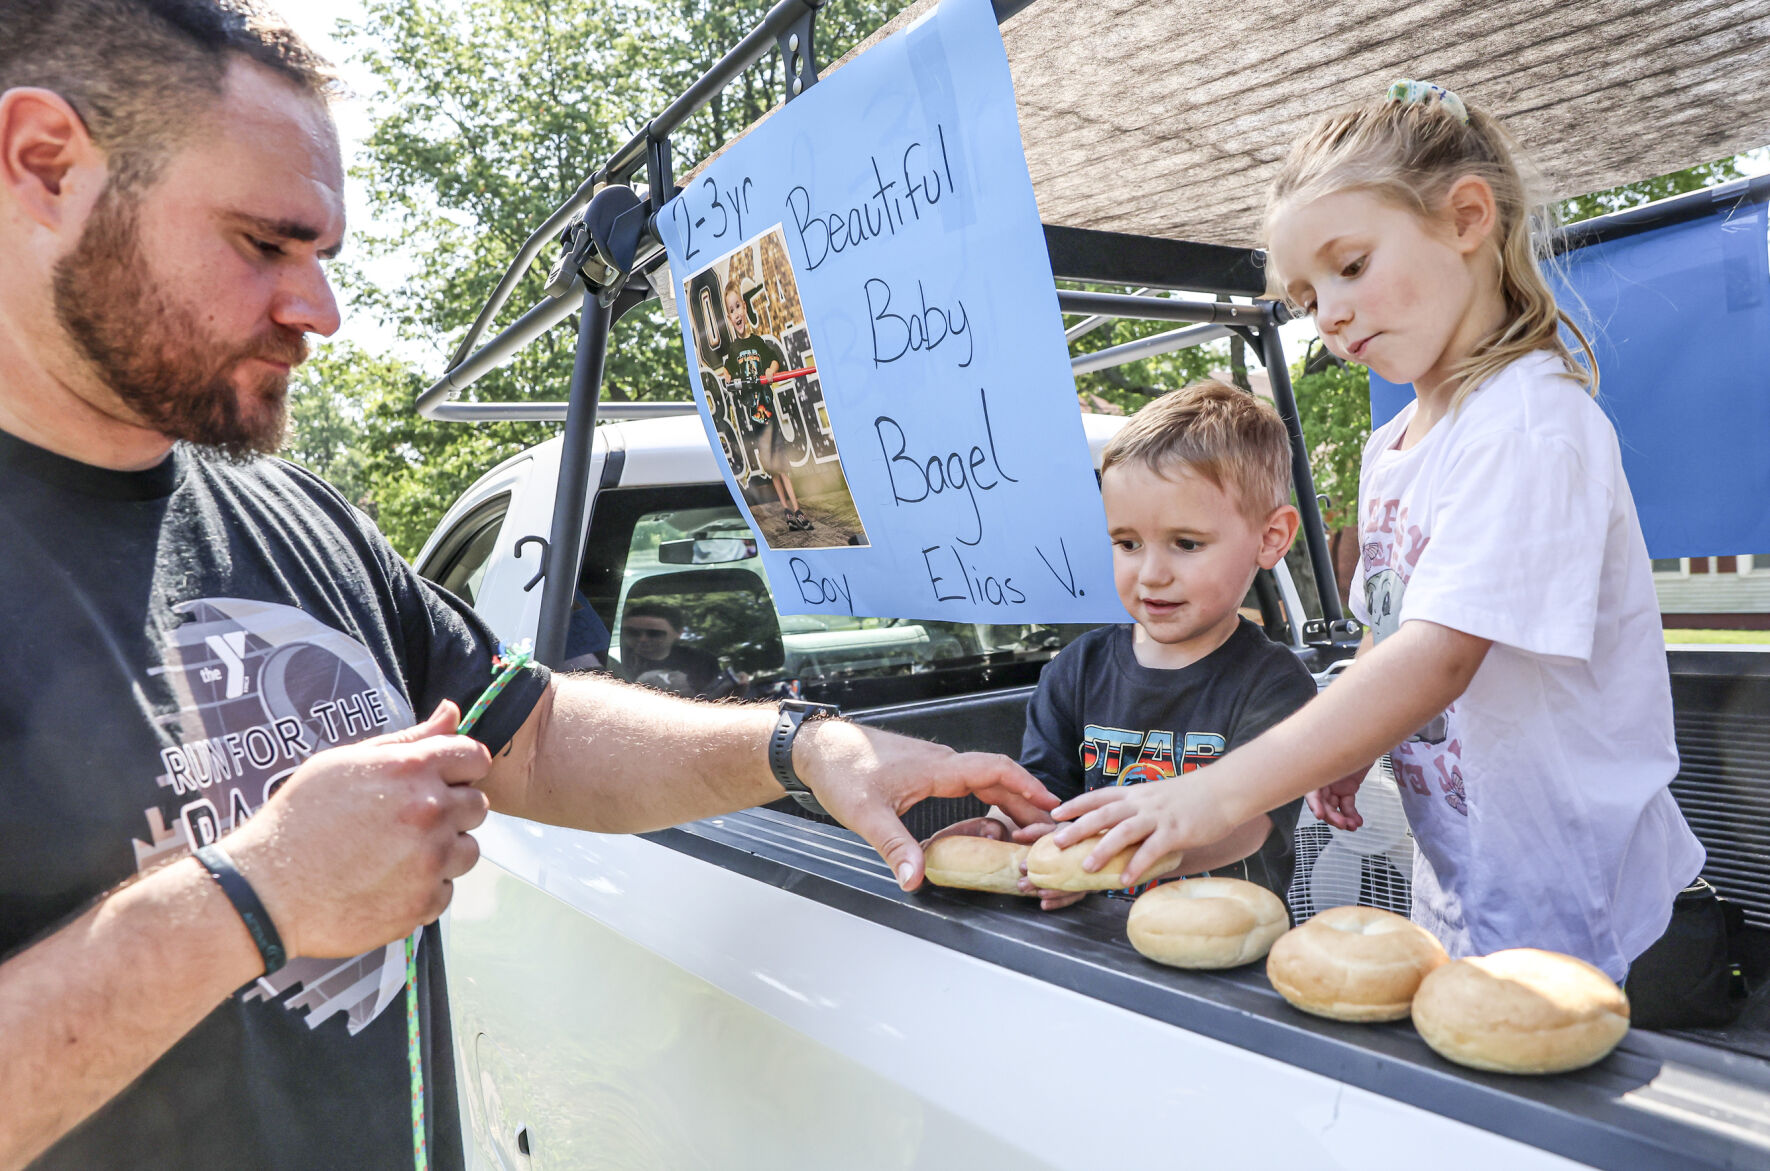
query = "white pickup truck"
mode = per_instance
[{"x": 754, "y": 990}]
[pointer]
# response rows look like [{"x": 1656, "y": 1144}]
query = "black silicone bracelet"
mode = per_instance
[{"x": 239, "y": 892}]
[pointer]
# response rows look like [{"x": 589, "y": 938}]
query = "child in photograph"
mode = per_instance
[
  {"x": 1197, "y": 495},
  {"x": 747, "y": 361},
  {"x": 1515, "y": 667}
]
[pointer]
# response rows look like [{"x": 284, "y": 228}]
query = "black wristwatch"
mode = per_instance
[{"x": 795, "y": 712}]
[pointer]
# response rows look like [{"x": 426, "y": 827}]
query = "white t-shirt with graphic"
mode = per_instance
[{"x": 1539, "y": 799}]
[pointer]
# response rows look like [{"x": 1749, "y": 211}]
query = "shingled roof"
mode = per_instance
[{"x": 1168, "y": 117}]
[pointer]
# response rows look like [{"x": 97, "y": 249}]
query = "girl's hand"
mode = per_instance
[
  {"x": 1167, "y": 817},
  {"x": 1049, "y": 900},
  {"x": 1336, "y": 803}
]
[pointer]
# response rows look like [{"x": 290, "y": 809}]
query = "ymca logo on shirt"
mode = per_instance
[{"x": 261, "y": 687}]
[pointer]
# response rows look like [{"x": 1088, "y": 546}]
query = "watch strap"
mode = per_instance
[{"x": 793, "y": 714}]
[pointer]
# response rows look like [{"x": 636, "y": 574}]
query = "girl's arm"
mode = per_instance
[{"x": 1384, "y": 697}]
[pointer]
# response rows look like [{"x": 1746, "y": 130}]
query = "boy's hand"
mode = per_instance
[
  {"x": 1049, "y": 900},
  {"x": 1166, "y": 817},
  {"x": 1336, "y": 803}
]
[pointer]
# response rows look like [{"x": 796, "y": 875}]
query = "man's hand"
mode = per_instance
[
  {"x": 363, "y": 842},
  {"x": 1336, "y": 804},
  {"x": 1166, "y": 817},
  {"x": 866, "y": 778},
  {"x": 1001, "y": 831}
]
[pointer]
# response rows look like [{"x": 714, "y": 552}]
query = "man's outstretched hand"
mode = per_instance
[{"x": 866, "y": 778}]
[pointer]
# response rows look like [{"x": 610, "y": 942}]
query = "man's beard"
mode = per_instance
[{"x": 153, "y": 352}]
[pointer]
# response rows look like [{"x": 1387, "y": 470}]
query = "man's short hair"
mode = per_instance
[
  {"x": 1228, "y": 436},
  {"x": 140, "y": 73},
  {"x": 663, "y": 610}
]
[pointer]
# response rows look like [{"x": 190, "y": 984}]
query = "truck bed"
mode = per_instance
[{"x": 1659, "y": 1101}]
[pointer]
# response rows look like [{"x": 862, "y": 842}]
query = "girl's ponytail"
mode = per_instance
[{"x": 1410, "y": 147}]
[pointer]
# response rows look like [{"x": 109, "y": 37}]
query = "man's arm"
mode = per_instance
[
  {"x": 80, "y": 1018},
  {"x": 356, "y": 849},
  {"x": 610, "y": 757}
]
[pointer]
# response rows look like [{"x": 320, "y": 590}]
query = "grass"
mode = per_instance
[{"x": 1718, "y": 636}]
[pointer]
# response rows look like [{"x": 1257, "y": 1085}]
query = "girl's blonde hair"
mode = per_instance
[{"x": 1411, "y": 149}]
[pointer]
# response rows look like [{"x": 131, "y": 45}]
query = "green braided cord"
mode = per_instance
[
  {"x": 420, "y": 1160},
  {"x": 508, "y": 663}
]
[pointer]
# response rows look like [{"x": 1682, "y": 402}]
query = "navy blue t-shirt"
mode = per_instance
[
  {"x": 1102, "y": 718},
  {"x": 180, "y": 639}
]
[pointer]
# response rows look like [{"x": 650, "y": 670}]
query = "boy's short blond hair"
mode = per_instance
[{"x": 1228, "y": 436}]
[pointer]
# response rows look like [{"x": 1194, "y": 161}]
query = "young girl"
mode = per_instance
[{"x": 1515, "y": 667}]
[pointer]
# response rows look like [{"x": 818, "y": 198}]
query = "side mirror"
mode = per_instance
[{"x": 707, "y": 551}]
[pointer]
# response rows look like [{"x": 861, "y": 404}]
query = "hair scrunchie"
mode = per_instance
[{"x": 1407, "y": 92}]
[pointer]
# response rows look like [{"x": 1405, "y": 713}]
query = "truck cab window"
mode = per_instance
[
  {"x": 693, "y": 583},
  {"x": 459, "y": 563}
]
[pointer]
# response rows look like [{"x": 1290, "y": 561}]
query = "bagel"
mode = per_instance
[
  {"x": 1206, "y": 922},
  {"x": 973, "y": 863},
  {"x": 1354, "y": 964},
  {"x": 1521, "y": 1011},
  {"x": 1053, "y": 869}
]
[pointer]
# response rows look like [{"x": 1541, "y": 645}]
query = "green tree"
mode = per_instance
[
  {"x": 326, "y": 428},
  {"x": 1334, "y": 407}
]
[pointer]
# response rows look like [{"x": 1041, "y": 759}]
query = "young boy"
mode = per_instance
[
  {"x": 1197, "y": 490},
  {"x": 748, "y": 359}
]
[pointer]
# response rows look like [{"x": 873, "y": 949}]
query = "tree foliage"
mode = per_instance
[
  {"x": 1334, "y": 407},
  {"x": 1584, "y": 207}
]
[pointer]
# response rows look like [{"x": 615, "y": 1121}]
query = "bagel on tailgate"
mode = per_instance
[
  {"x": 1521, "y": 1011},
  {"x": 1053, "y": 869},
  {"x": 973, "y": 863},
  {"x": 1206, "y": 922},
  {"x": 1354, "y": 964}
]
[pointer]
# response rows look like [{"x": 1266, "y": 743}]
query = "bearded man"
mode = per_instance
[{"x": 224, "y": 814}]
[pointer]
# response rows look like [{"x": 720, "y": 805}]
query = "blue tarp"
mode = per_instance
[{"x": 1680, "y": 319}]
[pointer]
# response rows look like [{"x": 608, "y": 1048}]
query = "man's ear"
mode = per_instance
[
  {"x": 1472, "y": 212},
  {"x": 1280, "y": 532},
  {"x": 46, "y": 156}
]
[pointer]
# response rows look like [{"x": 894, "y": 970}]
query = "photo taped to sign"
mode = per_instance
[{"x": 760, "y": 385}]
